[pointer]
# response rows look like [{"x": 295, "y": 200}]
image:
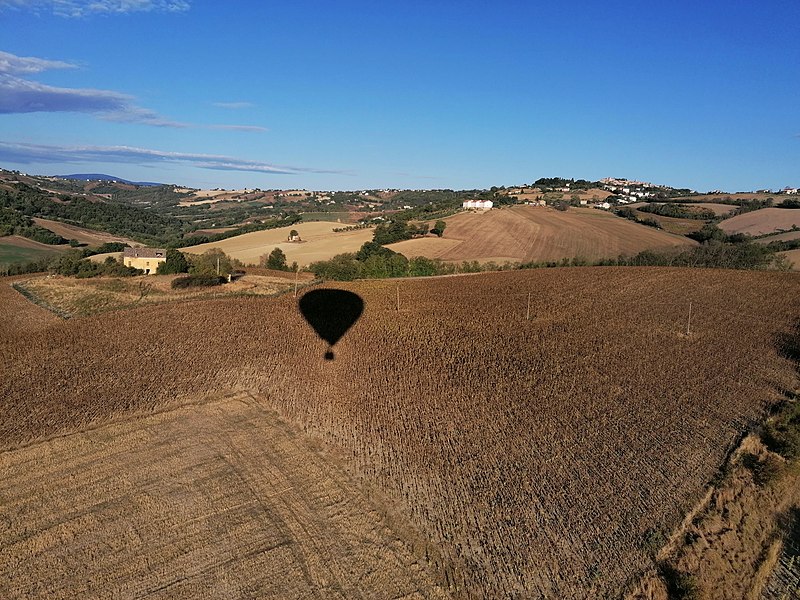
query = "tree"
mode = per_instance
[
  {"x": 276, "y": 260},
  {"x": 207, "y": 263},
  {"x": 175, "y": 263},
  {"x": 438, "y": 229}
]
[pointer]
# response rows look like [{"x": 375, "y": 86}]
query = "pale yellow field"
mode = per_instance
[
  {"x": 794, "y": 258},
  {"x": 81, "y": 297},
  {"x": 320, "y": 242},
  {"x": 219, "y": 499},
  {"x": 528, "y": 233}
]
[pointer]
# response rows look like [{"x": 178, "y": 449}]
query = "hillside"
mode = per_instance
[
  {"x": 505, "y": 457},
  {"x": 762, "y": 221},
  {"x": 319, "y": 242},
  {"x": 19, "y": 250},
  {"x": 90, "y": 237},
  {"x": 528, "y": 233},
  {"x": 793, "y": 256}
]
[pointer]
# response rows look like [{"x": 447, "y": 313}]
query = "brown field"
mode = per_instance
[
  {"x": 793, "y": 257},
  {"x": 82, "y": 297},
  {"x": 528, "y": 233},
  {"x": 779, "y": 237},
  {"x": 18, "y": 314},
  {"x": 765, "y": 220},
  {"x": 320, "y": 242},
  {"x": 219, "y": 499},
  {"x": 534, "y": 457},
  {"x": 83, "y": 235}
]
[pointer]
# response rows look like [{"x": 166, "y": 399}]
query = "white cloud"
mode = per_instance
[
  {"x": 82, "y": 8},
  {"x": 19, "y": 153},
  {"x": 10, "y": 64},
  {"x": 19, "y": 95}
]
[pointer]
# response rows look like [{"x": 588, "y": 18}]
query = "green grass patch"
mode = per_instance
[{"x": 12, "y": 254}]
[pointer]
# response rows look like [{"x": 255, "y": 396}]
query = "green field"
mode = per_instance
[{"x": 11, "y": 253}]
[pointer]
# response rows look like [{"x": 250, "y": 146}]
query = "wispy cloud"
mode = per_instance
[
  {"x": 233, "y": 105},
  {"x": 11, "y": 64},
  {"x": 22, "y": 95},
  {"x": 253, "y": 128},
  {"x": 82, "y": 8},
  {"x": 20, "y": 153}
]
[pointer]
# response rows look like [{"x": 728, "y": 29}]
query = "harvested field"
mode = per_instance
[
  {"x": 527, "y": 233},
  {"x": 719, "y": 209},
  {"x": 90, "y": 237},
  {"x": 220, "y": 499},
  {"x": 760, "y": 222},
  {"x": 83, "y": 297},
  {"x": 793, "y": 256},
  {"x": 320, "y": 242},
  {"x": 535, "y": 458},
  {"x": 779, "y": 237},
  {"x": 18, "y": 314}
]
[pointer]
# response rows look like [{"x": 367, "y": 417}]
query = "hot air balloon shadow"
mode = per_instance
[{"x": 331, "y": 313}]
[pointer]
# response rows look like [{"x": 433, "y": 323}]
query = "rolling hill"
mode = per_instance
[
  {"x": 103, "y": 177},
  {"x": 533, "y": 234},
  {"x": 762, "y": 221},
  {"x": 319, "y": 242}
]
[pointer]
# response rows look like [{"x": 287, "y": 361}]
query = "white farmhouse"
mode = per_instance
[{"x": 481, "y": 204}]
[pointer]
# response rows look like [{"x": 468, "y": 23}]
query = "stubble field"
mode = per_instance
[
  {"x": 762, "y": 221},
  {"x": 320, "y": 242},
  {"x": 534, "y": 457},
  {"x": 528, "y": 233},
  {"x": 218, "y": 499}
]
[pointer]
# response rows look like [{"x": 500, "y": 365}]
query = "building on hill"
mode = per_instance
[
  {"x": 146, "y": 259},
  {"x": 482, "y": 204}
]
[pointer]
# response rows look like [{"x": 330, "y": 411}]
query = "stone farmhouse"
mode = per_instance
[{"x": 146, "y": 259}]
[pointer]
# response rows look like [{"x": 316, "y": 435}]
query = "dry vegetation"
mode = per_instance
[
  {"x": 730, "y": 546},
  {"x": 762, "y": 221},
  {"x": 82, "y": 297},
  {"x": 534, "y": 457},
  {"x": 793, "y": 256},
  {"x": 219, "y": 499},
  {"x": 320, "y": 242},
  {"x": 527, "y": 233}
]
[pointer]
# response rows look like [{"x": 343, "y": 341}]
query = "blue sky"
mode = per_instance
[{"x": 434, "y": 94}]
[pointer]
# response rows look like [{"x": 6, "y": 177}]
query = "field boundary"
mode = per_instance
[
  {"x": 63, "y": 314},
  {"x": 33, "y": 298}
]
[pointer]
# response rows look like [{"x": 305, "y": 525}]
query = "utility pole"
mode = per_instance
[
  {"x": 528, "y": 315},
  {"x": 218, "y": 266},
  {"x": 689, "y": 321}
]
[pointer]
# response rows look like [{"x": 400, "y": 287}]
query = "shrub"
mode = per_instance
[
  {"x": 199, "y": 280},
  {"x": 764, "y": 471}
]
